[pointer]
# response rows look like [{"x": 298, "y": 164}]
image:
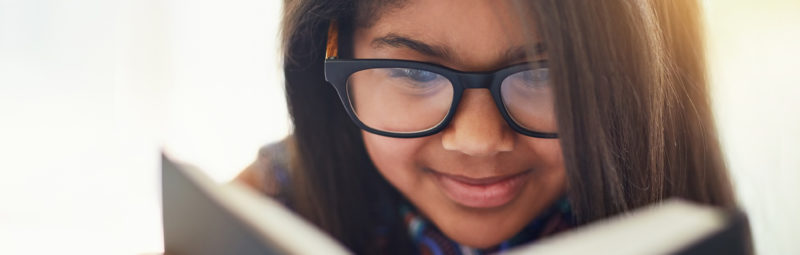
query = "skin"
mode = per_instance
[{"x": 478, "y": 143}]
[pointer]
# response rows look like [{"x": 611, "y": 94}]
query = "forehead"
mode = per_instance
[{"x": 476, "y": 33}]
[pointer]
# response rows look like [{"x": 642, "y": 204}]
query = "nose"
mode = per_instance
[{"x": 477, "y": 128}]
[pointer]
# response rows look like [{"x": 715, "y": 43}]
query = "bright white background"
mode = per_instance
[{"x": 91, "y": 89}]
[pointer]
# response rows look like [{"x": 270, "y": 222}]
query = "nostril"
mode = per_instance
[{"x": 477, "y": 144}]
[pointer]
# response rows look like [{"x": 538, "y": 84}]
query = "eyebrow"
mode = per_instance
[{"x": 513, "y": 54}]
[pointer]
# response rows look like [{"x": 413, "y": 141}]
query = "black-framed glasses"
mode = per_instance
[{"x": 406, "y": 99}]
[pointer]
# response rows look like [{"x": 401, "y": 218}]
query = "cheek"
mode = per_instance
[
  {"x": 551, "y": 174},
  {"x": 547, "y": 151},
  {"x": 395, "y": 158}
]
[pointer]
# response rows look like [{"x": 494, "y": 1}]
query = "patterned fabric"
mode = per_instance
[
  {"x": 430, "y": 241},
  {"x": 277, "y": 154}
]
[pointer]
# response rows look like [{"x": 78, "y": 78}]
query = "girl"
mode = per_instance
[{"x": 454, "y": 126}]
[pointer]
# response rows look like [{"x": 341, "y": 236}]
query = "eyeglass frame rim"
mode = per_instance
[{"x": 338, "y": 71}]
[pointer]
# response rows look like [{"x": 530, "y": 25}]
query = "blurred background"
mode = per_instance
[{"x": 91, "y": 90}]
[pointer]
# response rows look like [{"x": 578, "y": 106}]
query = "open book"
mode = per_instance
[{"x": 203, "y": 217}]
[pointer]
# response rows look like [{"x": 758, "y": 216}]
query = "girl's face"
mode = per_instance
[{"x": 478, "y": 181}]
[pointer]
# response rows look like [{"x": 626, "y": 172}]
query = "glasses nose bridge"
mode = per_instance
[{"x": 476, "y": 80}]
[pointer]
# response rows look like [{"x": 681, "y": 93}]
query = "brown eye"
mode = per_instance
[
  {"x": 414, "y": 74},
  {"x": 536, "y": 78}
]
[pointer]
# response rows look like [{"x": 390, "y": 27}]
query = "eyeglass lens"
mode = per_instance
[{"x": 405, "y": 100}]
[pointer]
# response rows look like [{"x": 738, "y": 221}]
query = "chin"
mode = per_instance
[
  {"x": 479, "y": 239},
  {"x": 480, "y": 229}
]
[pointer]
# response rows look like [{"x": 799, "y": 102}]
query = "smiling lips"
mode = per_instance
[{"x": 483, "y": 192}]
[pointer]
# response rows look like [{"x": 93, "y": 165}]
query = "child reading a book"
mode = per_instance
[{"x": 472, "y": 126}]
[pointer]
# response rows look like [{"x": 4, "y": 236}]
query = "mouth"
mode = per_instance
[{"x": 488, "y": 192}]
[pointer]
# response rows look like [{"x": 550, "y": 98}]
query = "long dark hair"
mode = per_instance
[{"x": 634, "y": 115}]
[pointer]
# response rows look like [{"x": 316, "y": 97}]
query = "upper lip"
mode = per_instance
[{"x": 482, "y": 180}]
